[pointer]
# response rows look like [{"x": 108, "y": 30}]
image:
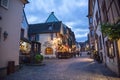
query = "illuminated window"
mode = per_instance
[{"x": 48, "y": 51}]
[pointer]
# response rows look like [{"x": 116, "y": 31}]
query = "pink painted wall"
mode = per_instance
[{"x": 11, "y": 23}]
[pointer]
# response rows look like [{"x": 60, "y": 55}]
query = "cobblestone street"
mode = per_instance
[{"x": 79, "y": 68}]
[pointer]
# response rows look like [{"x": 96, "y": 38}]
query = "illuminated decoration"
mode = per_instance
[
  {"x": 24, "y": 47},
  {"x": 57, "y": 41},
  {"x": 60, "y": 47}
]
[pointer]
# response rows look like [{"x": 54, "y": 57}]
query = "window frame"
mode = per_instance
[
  {"x": 110, "y": 49},
  {"x": 48, "y": 51},
  {"x": 3, "y": 5}
]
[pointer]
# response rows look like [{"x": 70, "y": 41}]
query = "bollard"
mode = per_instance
[{"x": 11, "y": 67}]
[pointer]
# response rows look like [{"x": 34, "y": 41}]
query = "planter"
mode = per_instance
[{"x": 38, "y": 58}]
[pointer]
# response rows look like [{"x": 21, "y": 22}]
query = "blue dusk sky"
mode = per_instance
[{"x": 71, "y": 12}]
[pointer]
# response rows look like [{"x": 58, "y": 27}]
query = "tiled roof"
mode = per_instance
[
  {"x": 52, "y": 18},
  {"x": 44, "y": 28}
]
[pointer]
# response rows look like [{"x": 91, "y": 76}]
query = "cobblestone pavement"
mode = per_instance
[{"x": 80, "y": 68}]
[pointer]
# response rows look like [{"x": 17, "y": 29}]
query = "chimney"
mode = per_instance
[{"x": 52, "y": 12}]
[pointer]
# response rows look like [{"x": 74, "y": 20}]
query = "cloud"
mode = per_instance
[
  {"x": 32, "y": 19},
  {"x": 70, "y": 12},
  {"x": 81, "y": 35},
  {"x": 76, "y": 24},
  {"x": 81, "y": 30}
]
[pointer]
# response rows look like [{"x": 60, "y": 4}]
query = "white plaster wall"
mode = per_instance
[
  {"x": 11, "y": 22},
  {"x": 42, "y": 39}
]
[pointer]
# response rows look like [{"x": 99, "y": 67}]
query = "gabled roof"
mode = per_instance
[
  {"x": 52, "y": 18},
  {"x": 44, "y": 28}
]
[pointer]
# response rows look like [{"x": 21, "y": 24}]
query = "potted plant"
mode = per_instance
[
  {"x": 111, "y": 30},
  {"x": 38, "y": 58}
]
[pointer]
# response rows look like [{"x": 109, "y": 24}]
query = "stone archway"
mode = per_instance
[{"x": 48, "y": 51}]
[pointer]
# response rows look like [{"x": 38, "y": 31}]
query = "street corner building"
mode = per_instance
[{"x": 53, "y": 36}]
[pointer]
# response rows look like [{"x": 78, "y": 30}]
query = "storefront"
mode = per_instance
[{"x": 25, "y": 48}]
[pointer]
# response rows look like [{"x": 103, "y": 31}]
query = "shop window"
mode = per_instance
[
  {"x": 110, "y": 49},
  {"x": 4, "y": 3},
  {"x": 48, "y": 51}
]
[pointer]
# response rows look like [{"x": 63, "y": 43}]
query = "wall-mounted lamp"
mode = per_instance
[{"x": 5, "y": 35}]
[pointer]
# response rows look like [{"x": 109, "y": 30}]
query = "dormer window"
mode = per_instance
[
  {"x": 50, "y": 28},
  {"x": 4, "y": 3}
]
